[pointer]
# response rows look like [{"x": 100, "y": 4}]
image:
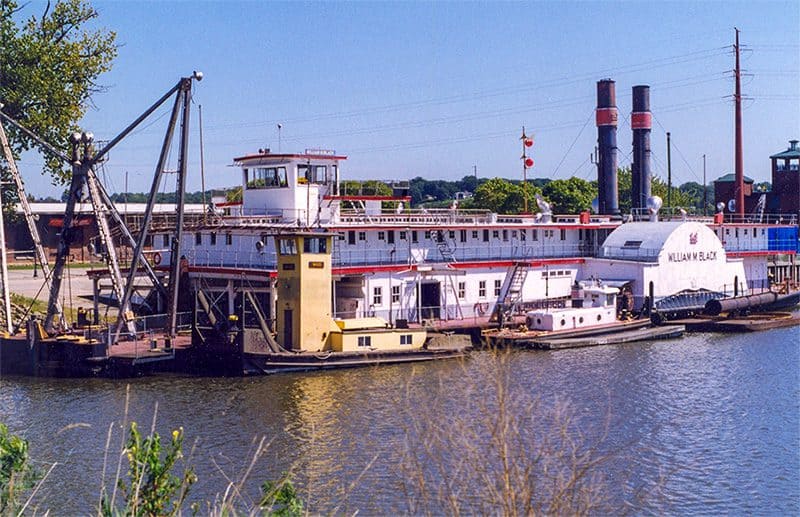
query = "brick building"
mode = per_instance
[{"x": 783, "y": 198}]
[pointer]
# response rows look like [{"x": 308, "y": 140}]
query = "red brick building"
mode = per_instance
[{"x": 783, "y": 198}]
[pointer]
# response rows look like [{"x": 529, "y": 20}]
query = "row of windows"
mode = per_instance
[
  {"x": 377, "y": 292},
  {"x": 366, "y": 341},
  {"x": 353, "y": 236},
  {"x": 744, "y": 231},
  {"x": 377, "y": 295},
  {"x": 266, "y": 177},
  {"x": 310, "y": 245},
  {"x": 198, "y": 239},
  {"x": 389, "y": 235}
]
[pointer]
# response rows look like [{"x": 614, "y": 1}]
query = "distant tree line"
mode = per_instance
[{"x": 566, "y": 196}]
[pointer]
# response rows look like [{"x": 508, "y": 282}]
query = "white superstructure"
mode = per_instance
[{"x": 451, "y": 264}]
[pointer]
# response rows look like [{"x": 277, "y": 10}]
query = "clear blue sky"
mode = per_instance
[{"x": 433, "y": 89}]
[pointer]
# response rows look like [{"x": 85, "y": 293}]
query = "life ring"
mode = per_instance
[
  {"x": 480, "y": 308},
  {"x": 156, "y": 258}
]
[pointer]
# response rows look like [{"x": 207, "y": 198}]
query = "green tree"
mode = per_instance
[
  {"x": 504, "y": 197},
  {"x": 234, "y": 195},
  {"x": 658, "y": 187},
  {"x": 569, "y": 196},
  {"x": 678, "y": 200},
  {"x": 624, "y": 179},
  {"x": 49, "y": 71},
  {"x": 694, "y": 191}
]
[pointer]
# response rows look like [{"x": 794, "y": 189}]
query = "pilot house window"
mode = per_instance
[
  {"x": 315, "y": 245},
  {"x": 312, "y": 174},
  {"x": 266, "y": 177},
  {"x": 288, "y": 247}
]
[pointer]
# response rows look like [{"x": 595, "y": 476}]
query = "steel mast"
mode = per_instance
[{"x": 41, "y": 256}]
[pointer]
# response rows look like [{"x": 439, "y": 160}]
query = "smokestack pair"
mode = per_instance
[{"x": 606, "y": 120}]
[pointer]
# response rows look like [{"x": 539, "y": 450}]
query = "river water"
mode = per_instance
[{"x": 705, "y": 424}]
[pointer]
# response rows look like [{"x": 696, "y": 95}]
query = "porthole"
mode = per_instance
[
  {"x": 580, "y": 320},
  {"x": 563, "y": 322},
  {"x": 538, "y": 321},
  {"x": 599, "y": 317}
]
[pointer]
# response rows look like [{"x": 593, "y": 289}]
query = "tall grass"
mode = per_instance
[{"x": 502, "y": 455}]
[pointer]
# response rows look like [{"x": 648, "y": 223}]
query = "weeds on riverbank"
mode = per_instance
[
  {"x": 501, "y": 455},
  {"x": 17, "y": 476},
  {"x": 157, "y": 482}
]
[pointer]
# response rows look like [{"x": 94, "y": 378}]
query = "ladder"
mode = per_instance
[
  {"x": 511, "y": 292},
  {"x": 445, "y": 250}
]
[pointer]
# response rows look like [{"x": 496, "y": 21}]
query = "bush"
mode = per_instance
[
  {"x": 151, "y": 487},
  {"x": 16, "y": 474}
]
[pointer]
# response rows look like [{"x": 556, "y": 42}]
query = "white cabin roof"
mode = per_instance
[
  {"x": 645, "y": 241},
  {"x": 650, "y": 235}
]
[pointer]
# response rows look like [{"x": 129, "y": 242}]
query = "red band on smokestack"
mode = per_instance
[
  {"x": 606, "y": 117},
  {"x": 641, "y": 120}
]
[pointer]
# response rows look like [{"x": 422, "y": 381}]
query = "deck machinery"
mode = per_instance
[{"x": 47, "y": 339}]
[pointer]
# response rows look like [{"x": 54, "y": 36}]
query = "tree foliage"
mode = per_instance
[
  {"x": 49, "y": 71},
  {"x": 570, "y": 196},
  {"x": 658, "y": 187},
  {"x": 504, "y": 197}
]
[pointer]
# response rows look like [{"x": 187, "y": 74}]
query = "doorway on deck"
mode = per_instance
[
  {"x": 430, "y": 299},
  {"x": 288, "y": 324}
]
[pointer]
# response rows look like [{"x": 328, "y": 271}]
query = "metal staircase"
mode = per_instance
[
  {"x": 445, "y": 250},
  {"x": 510, "y": 293}
]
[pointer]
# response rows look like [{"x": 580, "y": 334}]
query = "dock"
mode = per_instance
[{"x": 749, "y": 323}]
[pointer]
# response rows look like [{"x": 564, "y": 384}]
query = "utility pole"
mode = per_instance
[
  {"x": 669, "y": 173},
  {"x": 737, "y": 97},
  {"x": 202, "y": 161},
  {"x": 705, "y": 190}
]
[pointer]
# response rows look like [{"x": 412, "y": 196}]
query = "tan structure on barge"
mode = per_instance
[{"x": 304, "y": 322}]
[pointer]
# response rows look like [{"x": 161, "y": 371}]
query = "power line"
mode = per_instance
[
  {"x": 558, "y": 82},
  {"x": 572, "y": 144}
]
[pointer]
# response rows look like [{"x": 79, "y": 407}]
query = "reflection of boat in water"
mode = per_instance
[{"x": 592, "y": 319}]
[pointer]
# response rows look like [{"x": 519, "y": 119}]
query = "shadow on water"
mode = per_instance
[{"x": 706, "y": 424}]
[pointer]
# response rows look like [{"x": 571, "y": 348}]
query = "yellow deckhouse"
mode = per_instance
[{"x": 304, "y": 322}]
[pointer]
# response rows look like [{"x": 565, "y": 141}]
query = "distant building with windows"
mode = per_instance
[
  {"x": 783, "y": 198},
  {"x": 49, "y": 219}
]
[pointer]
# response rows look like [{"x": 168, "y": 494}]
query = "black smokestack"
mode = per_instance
[
  {"x": 606, "y": 118},
  {"x": 641, "y": 123}
]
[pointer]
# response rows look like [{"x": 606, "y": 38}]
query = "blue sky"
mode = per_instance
[{"x": 435, "y": 89}]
